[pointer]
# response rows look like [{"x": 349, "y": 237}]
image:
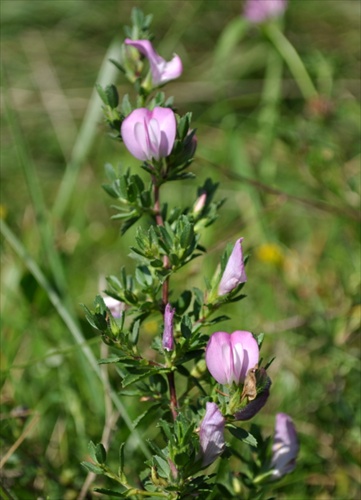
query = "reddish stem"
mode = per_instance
[{"x": 172, "y": 395}]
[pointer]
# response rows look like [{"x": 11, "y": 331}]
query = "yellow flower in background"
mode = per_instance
[
  {"x": 3, "y": 211},
  {"x": 270, "y": 252}
]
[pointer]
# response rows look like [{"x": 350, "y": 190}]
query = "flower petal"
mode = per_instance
[
  {"x": 211, "y": 435},
  {"x": 168, "y": 339},
  {"x": 172, "y": 70},
  {"x": 149, "y": 134},
  {"x": 285, "y": 446},
  {"x": 234, "y": 273},
  {"x": 134, "y": 133},
  {"x": 250, "y": 352},
  {"x": 168, "y": 126},
  {"x": 162, "y": 71},
  {"x": 219, "y": 357}
]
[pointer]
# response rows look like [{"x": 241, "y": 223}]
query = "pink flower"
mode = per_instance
[
  {"x": 149, "y": 134},
  {"x": 285, "y": 446},
  {"x": 211, "y": 434},
  {"x": 230, "y": 356},
  {"x": 234, "y": 273},
  {"x": 258, "y": 11},
  {"x": 168, "y": 339},
  {"x": 162, "y": 71}
]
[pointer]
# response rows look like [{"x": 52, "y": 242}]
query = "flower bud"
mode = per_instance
[
  {"x": 149, "y": 134},
  {"x": 285, "y": 446},
  {"x": 230, "y": 356},
  {"x": 168, "y": 338},
  {"x": 200, "y": 203},
  {"x": 211, "y": 434},
  {"x": 234, "y": 273},
  {"x": 162, "y": 71}
]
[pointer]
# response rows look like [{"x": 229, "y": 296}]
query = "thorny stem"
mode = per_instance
[{"x": 165, "y": 293}]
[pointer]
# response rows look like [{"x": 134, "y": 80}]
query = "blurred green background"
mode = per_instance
[{"x": 290, "y": 170}]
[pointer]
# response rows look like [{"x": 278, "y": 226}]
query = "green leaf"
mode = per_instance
[
  {"x": 126, "y": 106},
  {"x": 135, "y": 332},
  {"x": 110, "y": 172},
  {"x": 112, "y": 94},
  {"x": 92, "y": 450},
  {"x": 92, "y": 468},
  {"x": 187, "y": 234},
  {"x": 121, "y": 459},
  {"x": 242, "y": 435},
  {"x": 184, "y": 301},
  {"x": 186, "y": 327},
  {"x": 111, "y": 493},
  {"x": 117, "y": 64},
  {"x": 149, "y": 410},
  {"x": 110, "y": 190},
  {"x": 162, "y": 466},
  {"x": 102, "y": 93},
  {"x": 269, "y": 363},
  {"x": 135, "y": 377},
  {"x": 100, "y": 453},
  {"x": 112, "y": 359}
]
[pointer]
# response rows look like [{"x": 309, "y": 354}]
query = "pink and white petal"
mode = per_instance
[
  {"x": 154, "y": 134},
  {"x": 234, "y": 273},
  {"x": 211, "y": 434},
  {"x": 238, "y": 360},
  {"x": 128, "y": 133},
  {"x": 144, "y": 46},
  {"x": 218, "y": 357},
  {"x": 168, "y": 125},
  {"x": 173, "y": 69},
  {"x": 250, "y": 350}
]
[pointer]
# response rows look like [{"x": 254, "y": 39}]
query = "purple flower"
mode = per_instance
[
  {"x": 285, "y": 446},
  {"x": 211, "y": 434},
  {"x": 149, "y": 134},
  {"x": 162, "y": 71},
  {"x": 168, "y": 339},
  {"x": 230, "y": 356},
  {"x": 258, "y": 11},
  {"x": 234, "y": 273},
  {"x": 115, "y": 306}
]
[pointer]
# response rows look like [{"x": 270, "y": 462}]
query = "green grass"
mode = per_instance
[{"x": 291, "y": 177}]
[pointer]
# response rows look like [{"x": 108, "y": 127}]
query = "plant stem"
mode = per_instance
[
  {"x": 165, "y": 293},
  {"x": 293, "y": 61},
  {"x": 172, "y": 395}
]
